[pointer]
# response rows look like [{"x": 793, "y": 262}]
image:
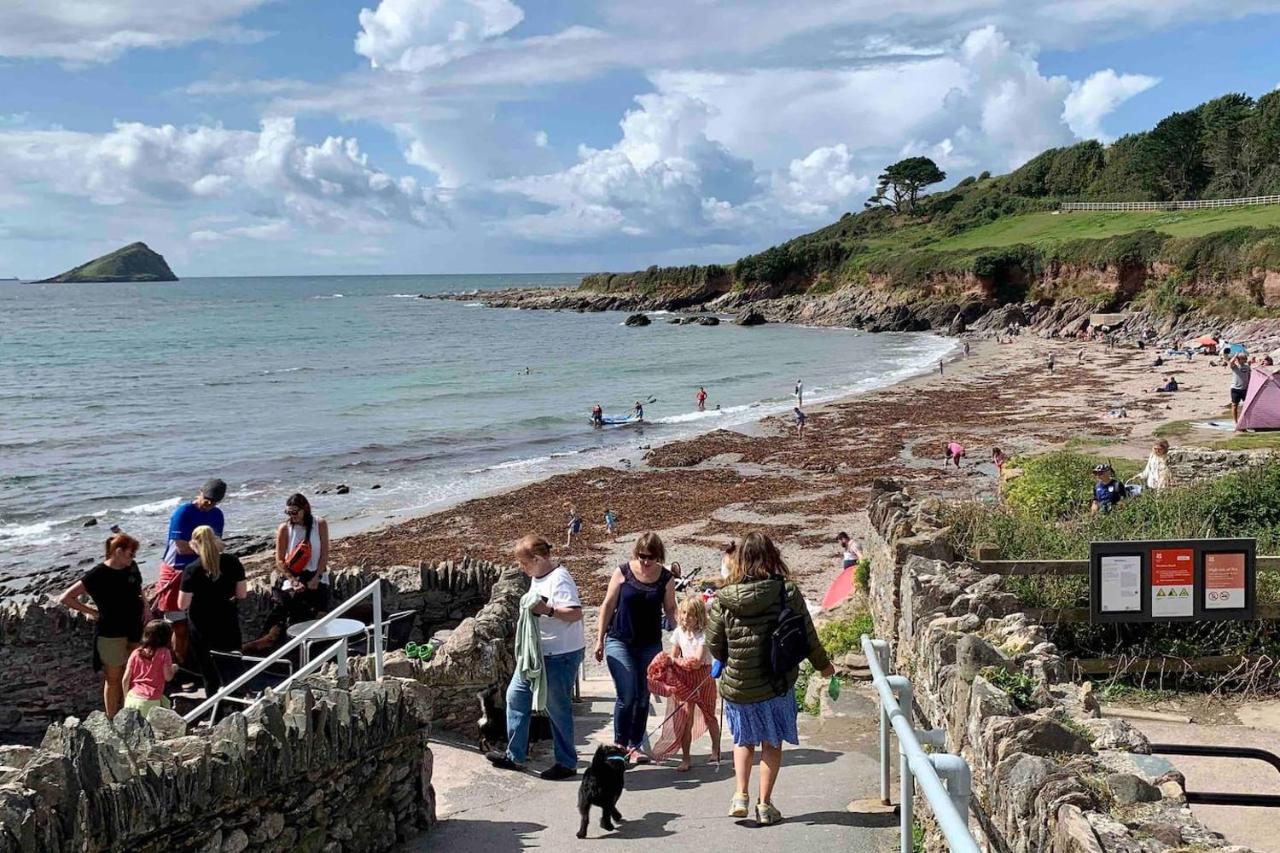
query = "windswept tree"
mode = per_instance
[{"x": 900, "y": 184}]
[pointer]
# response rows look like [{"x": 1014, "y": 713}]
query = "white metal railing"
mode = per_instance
[
  {"x": 1201, "y": 204},
  {"x": 338, "y": 648},
  {"x": 949, "y": 802}
]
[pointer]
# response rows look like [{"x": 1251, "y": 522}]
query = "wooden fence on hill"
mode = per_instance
[{"x": 1201, "y": 204}]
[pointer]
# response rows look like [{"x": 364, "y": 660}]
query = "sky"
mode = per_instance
[{"x": 302, "y": 137}]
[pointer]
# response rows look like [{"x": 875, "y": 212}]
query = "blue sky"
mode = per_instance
[{"x": 278, "y": 137}]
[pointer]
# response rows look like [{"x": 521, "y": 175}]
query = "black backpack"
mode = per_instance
[{"x": 789, "y": 643}]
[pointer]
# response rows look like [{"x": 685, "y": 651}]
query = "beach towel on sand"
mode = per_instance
[
  {"x": 529, "y": 650},
  {"x": 679, "y": 681}
]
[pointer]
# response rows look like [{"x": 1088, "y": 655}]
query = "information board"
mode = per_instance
[{"x": 1172, "y": 580}]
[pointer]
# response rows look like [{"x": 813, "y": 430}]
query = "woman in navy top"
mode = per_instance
[{"x": 630, "y": 636}]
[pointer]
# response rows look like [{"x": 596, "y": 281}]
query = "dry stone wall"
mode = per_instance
[
  {"x": 1049, "y": 774},
  {"x": 46, "y": 650},
  {"x": 322, "y": 768}
]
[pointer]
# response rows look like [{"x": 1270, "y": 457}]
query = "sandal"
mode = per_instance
[{"x": 738, "y": 807}]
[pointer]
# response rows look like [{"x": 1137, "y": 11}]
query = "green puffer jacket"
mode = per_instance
[{"x": 743, "y": 618}]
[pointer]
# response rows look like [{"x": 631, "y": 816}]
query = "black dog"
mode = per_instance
[{"x": 602, "y": 785}]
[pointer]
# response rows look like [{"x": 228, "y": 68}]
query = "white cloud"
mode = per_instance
[
  {"x": 1099, "y": 95},
  {"x": 83, "y": 31},
  {"x": 821, "y": 181},
  {"x": 415, "y": 35},
  {"x": 276, "y": 229},
  {"x": 330, "y": 185}
]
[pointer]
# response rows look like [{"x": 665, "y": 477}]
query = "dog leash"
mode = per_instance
[{"x": 649, "y": 734}]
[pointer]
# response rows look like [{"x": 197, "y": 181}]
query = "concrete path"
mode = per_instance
[
  {"x": 484, "y": 810},
  {"x": 1254, "y": 827}
]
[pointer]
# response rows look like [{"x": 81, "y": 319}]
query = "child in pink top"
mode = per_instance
[{"x": 149, "y": 668}]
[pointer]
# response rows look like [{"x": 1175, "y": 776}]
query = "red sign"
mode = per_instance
[
  {"x": 1173, "y": 567},
  {"x": 1224, "y": 580}
]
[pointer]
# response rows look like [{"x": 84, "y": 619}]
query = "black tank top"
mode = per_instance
[{"x": 638, "y": 617}]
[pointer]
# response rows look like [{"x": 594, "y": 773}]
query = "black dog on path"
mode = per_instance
[{"x": 602, "y": 785}]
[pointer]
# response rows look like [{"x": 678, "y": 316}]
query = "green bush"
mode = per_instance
[
  {"x": 1053, "y": 485},
  {"x": 1017, "y": 685},
  {"x": 862, "y": 575},
  {"x": 845, "y": 635}
]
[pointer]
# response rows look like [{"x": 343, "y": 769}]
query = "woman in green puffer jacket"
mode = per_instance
[{"x": 761, "y": 706}]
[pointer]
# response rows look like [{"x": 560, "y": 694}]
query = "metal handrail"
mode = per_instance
[
  {"x": 374, "y": 589},
  {"x": 950, "y": 803}
]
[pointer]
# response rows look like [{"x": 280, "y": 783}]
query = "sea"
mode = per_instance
[{"x": 118, "y": 400}]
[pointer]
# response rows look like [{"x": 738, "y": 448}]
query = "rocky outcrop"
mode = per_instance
[
  {"x": 637, "y": 320},
  {"x": 323, "y": 767},
  {"x": 1049, "y": 774},
  {"x": 749, "y": 317},
  {"x": 135, "y": 262}
]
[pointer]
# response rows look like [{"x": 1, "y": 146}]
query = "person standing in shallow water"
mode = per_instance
[
  {"x": 701, "y": 397},
  {"x": 629, "y": 636},
  {"x": 115, "y": 586},
  {"x": 799, "y": 393}
]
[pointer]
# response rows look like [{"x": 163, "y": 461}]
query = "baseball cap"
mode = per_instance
[{"x": 215, "y": 490}]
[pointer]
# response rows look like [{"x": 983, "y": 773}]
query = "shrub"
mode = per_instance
[
  {"x": 862, "y": 575},
  {"x": 845, "y": 635}
]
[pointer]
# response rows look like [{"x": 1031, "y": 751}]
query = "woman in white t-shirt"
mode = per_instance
[
  {"x": 302, "y": 559},
  {"x": 562, "y": 641}
]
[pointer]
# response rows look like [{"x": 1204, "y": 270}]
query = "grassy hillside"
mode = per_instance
[
  {"x": 1005, "y": 229},
  {"x": 135, "y": 262}
]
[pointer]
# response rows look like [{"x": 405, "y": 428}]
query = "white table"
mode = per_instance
[{"x": 336, "y": 629}]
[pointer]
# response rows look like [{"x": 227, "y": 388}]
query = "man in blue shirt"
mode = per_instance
[
  {"x": 178, "y": 553},
  {"x": 1107, "y": 490}
]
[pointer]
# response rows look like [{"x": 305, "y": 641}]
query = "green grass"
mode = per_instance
[
  {"x": 845, "y": 635},
  {"x": 1251, "y": 441},
  {"x": 1043, "y": 228},
  {"x": 1175, "y": 429}
]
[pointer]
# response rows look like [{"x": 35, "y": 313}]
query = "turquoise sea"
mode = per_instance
[{"x": 118, "y": 400}]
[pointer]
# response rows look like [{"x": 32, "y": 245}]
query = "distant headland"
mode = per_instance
[{"x": 135, "y": 262}]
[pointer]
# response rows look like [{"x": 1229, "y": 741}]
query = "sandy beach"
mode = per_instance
[{"x": 701, "y": 492}]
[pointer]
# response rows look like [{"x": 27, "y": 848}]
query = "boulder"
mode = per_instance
[
  {"x": 637, "y": 320},
  {"x": 708, "y": 321},
  {"x": 749, "y": 317},
  {"x": 1129, "y": 789}
]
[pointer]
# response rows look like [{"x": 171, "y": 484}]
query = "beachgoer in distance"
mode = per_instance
[
  {"x": 850, "y": 553},
  {"x": 178, "y": 554},
  {"x": 1240, "y": 372},
  {"x": 629, "y": 636},
  {"x": 638, "y": 411},
  {"x": 954, "y": 453},
  {"x": 574, "y": 528},
  {"x": 688, "y": 643},
  {"x": 115, "y": 585},
  {"x": 1080, "y": 356},
  {"x": 611, "y": 524},
  {"x": 150, "y": 668},
  {"x": 800, "y": 419},
  {"x": 940, "y": 370},
  {"x": 759, "y": 704},
  {"x": 701, "y": 397},
  {"x": 1159, "y": 362},
  {"x": 211, "y": 586},
  {"x": 597, "y": 416},
  {"x": 1107, "y": 491},
  {"x": 799, "y": 393},
  {"x": 562, "y": 640},
  {"x": 1051, "y": 362},
  {"x": 1170, "y": 386},
  {"x": 1157, "y": 474},
  {"x": 966, "y": 349}
]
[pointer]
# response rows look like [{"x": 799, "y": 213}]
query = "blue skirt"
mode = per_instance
[{"x": 771, "y": 721}]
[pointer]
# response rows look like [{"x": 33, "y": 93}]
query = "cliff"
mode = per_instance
[{"x": 135, "y": 262}]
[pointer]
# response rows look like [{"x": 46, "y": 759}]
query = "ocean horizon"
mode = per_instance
[{"x": 120, "y": 399}]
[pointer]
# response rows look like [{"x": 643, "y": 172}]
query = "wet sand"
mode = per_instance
[{"x": 802, "y": 490}]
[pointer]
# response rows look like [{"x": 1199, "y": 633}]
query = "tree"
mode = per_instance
[{"x": 900, "y": 184}]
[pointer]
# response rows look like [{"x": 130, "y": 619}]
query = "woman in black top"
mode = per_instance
[
  {"x": 115, "y": 585},
  {"x": 630, "y": 636},
  {"x": 210, "y": 588}
]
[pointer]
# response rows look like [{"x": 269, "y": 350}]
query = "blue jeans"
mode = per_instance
[
  {"x": 628, "y": 665},
  {"x": 561, "y": 671}
]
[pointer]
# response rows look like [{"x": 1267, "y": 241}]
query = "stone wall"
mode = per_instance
[
  {"x": 1049, "y": 774},
  {"x": 321, "y": 768},
  {"x": 45, "y": 666},
  {"x": 46, "y": 650},
  {"x": 476, "y": 659},
  {"x": 1192, "y": 465}
]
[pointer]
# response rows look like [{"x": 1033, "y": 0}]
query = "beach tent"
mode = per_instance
[
  {"x": 1261, "y": 408},
  {"x": 1232, "y": 349},
  {"x": 840, "y": 589}
]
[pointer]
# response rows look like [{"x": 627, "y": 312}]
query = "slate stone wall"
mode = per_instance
[{"x": 1049, "y": 774}]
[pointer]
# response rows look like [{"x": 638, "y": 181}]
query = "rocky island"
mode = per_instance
[{"x": 135, "y": 262}]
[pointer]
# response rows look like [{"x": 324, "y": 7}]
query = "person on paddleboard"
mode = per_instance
[
  {"x": 638, "y": 411},
  {"x": 597, "y": 416}
]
